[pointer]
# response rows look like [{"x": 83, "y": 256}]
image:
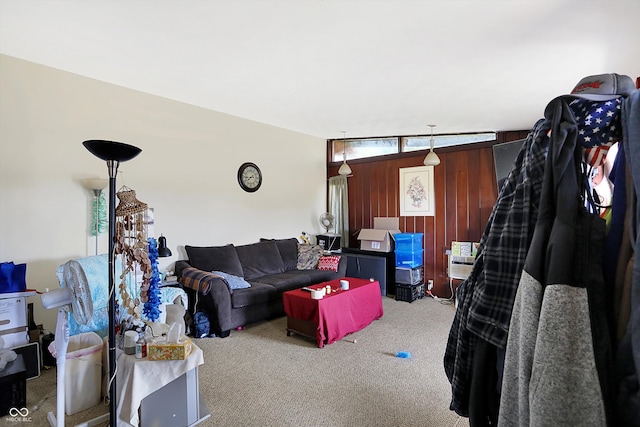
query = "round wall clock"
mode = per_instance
[{"x": 249, "y": 177}]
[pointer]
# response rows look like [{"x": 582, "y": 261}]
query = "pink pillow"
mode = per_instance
[{"x": 329, "y": 262}]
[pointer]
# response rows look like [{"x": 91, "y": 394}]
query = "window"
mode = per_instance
[
  {"x": 360, "y": 148},
  {"x": 415, "y": 143}
]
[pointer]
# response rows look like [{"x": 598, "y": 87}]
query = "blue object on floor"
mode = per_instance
[{"x": 403, "y": 355}]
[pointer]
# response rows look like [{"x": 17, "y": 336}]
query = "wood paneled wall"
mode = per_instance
[{"x": 465, "y": 192}]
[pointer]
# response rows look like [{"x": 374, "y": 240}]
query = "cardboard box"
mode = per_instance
[
  {"x": 474, "y": 249},
  {"x": 461, "y": 248},
  {"x": 13, "y": 320},
  {"x": 160, "y": 350},
  {"x": 380, "y": 237},
  {"x": 13, "y": 313},
  {"x": 464, "y": 249}
]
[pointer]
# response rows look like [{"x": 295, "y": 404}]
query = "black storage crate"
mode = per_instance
[{"x": 409, "y": 293}]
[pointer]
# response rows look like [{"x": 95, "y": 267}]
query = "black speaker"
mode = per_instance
[
  {"x": 31, "y": 356},
  {"x": 47, "y": 358},
  {"x": 13, "y": 387}
]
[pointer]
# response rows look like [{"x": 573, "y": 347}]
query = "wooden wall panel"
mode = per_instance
[{"x": 465, "y": 192}]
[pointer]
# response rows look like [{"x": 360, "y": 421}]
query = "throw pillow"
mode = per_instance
[
  {"x": 329, "y": 263},
  {"x": 308, "y": 256},
  {"x": 220, "y": 258},
  {"x": 234, "y": 282}
]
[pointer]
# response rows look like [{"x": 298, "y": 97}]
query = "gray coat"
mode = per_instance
[
  {"x": 558, "y": 358},
  {"x": 628, "y": 355}
]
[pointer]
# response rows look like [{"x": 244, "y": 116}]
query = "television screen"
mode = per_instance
[{"x": 504, "y": 156}]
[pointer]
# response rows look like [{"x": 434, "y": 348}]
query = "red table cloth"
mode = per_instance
[{"x": 339, "y": 313}]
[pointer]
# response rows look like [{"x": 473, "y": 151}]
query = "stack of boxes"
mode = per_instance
[
  {"x": 409, "y": 278},
  {"x": 13, "y": 329}
]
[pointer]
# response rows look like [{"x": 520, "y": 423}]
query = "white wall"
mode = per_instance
[{"x": 186, "y": 171}]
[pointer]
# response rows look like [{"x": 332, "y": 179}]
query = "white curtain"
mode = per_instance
[{"x": 339, "y": 207}]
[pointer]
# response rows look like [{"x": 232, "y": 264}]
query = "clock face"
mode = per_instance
[{"x": 249, "y": 177}]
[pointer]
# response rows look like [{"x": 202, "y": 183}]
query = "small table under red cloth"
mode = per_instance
[{"x": 337, "y": 314}]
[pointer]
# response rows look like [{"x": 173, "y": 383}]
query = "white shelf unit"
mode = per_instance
[{"x": 459, "y": 267}]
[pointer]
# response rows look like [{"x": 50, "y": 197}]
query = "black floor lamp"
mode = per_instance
[{"x": 113, "y": 153}]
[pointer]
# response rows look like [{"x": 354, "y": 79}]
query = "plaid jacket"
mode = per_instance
[{"x": 486, "y": 297}]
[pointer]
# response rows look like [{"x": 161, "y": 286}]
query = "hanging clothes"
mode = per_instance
[
  {"x": 628, "y": 350},
  {"x": 485, "y": 298},
  {"x": 563, "y": 302},
  {"x": 558, "y": 359}
]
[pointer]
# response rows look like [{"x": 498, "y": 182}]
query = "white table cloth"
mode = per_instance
[{"x": 138, "y": 378}]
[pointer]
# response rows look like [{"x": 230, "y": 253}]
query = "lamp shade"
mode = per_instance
[
  {"x": 344, "y": 169},
  {"x": 432, "y": 159},
  {"x": 95, "y": 183},
  {"x": 163, "y": 250},
  {"x": 111, "y": 150}
]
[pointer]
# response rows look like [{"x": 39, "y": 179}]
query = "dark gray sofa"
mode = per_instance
[{"x": 270, "y": 267}]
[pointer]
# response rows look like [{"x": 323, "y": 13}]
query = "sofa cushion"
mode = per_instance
[
  {"x": 218, "y": 258},
  {"x": 288, "y": 249},
  {"x": 308, "y": 256},
  {"x": 258, "y": 293},
  {"x": 317, "y": 276},
  {"x": 329, "y": 262},
  {"x": 260, "y": 259},
  {"x": 286, "y": 281}
]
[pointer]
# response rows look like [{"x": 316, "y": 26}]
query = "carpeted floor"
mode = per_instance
[{"x": 261, "y": 377}]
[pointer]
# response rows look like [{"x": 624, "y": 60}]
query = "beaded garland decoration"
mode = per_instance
[{"x": 151, "y": 307}]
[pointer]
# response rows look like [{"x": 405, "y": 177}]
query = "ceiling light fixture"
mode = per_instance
[
  {"x": 432, "y": 158},
  {"x": 344, "y": 170}
]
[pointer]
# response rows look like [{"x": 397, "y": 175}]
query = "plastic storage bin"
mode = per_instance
[
  {"x": 83, "y": 372},
  {"x": 409, "y": 293},
  {"x": 408, "y": 242},
  {"x": 409, "y": 276},
  {"x": 409, "y": 259}
]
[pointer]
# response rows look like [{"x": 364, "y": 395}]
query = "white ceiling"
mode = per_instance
[{"x": 368, "y": 67}]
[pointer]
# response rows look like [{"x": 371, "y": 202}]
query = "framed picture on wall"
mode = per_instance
[{"x": 416, "y": 191}]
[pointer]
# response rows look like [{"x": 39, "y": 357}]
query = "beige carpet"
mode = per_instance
[{"x": 261, "y": 377}]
